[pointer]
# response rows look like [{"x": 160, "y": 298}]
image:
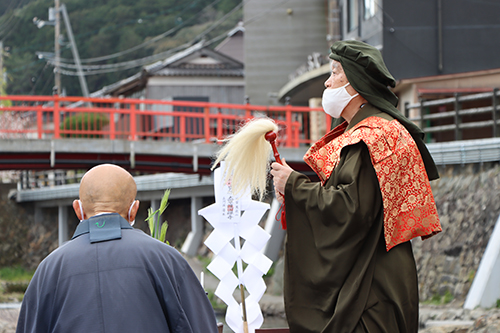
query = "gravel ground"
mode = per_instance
[
  {"x": 449, "y": 318},
  {"x": 433, "y": 319},
  {"x": 452, "y": 318},
  {"x": 8, "y": 318}
]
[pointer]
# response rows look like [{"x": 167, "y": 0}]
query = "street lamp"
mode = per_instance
[{"x": 41, "y": 23}]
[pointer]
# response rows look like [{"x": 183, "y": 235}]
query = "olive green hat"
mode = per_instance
[{"x": 366, "y": 71}]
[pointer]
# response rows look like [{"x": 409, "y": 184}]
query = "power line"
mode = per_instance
[
  {"x": 38, "y": 79},
  {"x": 101, "y": 69},
  {"x": 92, "y": 33},
  {"x": 5, "y": 26},
  {"x": 150, "y": 41},
  {"x": 127, "y": 65},
  {"x": 221, "y": 20},
  {"x": 2, "y": 26},
  {"x": 262, "y": 14}
]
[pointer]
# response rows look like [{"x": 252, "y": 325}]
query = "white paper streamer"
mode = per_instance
[{"x": 234, "y": 217}]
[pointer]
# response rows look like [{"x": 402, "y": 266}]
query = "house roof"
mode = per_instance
[
  {"x": 403, "y": 84},
  {"x": 233, "y": 44},
  {"x": 196, "y": 60}
]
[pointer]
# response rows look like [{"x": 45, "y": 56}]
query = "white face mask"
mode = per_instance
[
  {"x": 335, "y": 100},
  {"x": 81, "y": 209},
  {"x": 129, "y": 211}
]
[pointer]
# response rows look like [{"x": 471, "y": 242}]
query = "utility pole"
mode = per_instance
[
  {"x": 2, "y": 76},
  {"x": 74, "y": 50},
  {"x": 55, "y": 20},
  {"x": 1, "y": 60},
  {"x": 57, "y": 50}
]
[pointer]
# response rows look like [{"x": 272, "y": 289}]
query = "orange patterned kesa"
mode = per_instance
[{"x": 409, "y": 207}]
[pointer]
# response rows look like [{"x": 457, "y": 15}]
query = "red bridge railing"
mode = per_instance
[{"x": 141, "y": 119}]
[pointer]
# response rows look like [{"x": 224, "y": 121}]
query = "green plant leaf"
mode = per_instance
[
  {"x": 151, "y": 214},
  {"x": 158, "y": 232},
  {"x": 151, "y": 223},
  {"x": 163, "y": 233},
  {"x": 164, "y": 201}
]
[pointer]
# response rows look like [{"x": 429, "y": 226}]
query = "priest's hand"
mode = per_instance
[{"x": 280, "y": 173}]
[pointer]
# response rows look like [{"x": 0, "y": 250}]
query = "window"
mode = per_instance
[
  {"x": 352, "y": 12},
  {"x": 370, "y": 8},
  {"x": 172, "y": 127}
]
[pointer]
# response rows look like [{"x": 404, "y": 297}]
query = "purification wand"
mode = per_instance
[
  {"x": 246, "y": 156},
  {"x": 271, "y": 137}
]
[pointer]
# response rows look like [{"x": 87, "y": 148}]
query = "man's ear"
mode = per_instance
[
  {"x": 76, "y": 208},
  {"x": 134, "y": 210}
]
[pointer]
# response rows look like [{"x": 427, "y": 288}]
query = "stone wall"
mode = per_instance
[{"x": 468, "y": 202}]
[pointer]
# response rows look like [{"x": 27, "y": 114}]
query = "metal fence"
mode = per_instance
[
  {"x": 54, "y": 117},
  {"x": 29, "y": 179},
  {"x": 461, "y": 117}
]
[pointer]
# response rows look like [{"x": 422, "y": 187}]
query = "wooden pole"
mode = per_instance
[
  {"x": 245, "y": 322},
  {"x": 57, "y": 49}
]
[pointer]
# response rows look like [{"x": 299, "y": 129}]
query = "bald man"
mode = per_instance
[{"x": 111, "y": 277}]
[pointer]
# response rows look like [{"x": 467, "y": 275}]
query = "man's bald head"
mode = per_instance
[{"x": 107, "y": 188}]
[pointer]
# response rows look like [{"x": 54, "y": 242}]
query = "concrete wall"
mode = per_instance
[
  {"x": 369, "y": 30},
  {"x": 426, "y": 38},
  {"x": 217, "y": 90},
  {"x": 468, "y": 206},
  {"x": 278, "y": 38}
]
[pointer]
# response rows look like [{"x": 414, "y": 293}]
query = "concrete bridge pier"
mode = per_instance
[
  {"x": 155, "y": 204},
  {"x": 62, "y": 224},
  {"x": 38, "y": 214},
  {"x": 193, "y": 239}
]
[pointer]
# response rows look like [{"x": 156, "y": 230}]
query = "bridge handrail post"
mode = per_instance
[
  {"x": 207, "y": 124},
  {"x": 112, "y": 125},
  {"x": 57, "y": 120},
  {"x": 182, "y": 128},
  {"x": 219, "y": 124},
  {"x": 133, "y": 123},
  {"x": 289, "y": 131},
  {"x": 39, "y": 122},
  {"x": 296, "y": 135}
]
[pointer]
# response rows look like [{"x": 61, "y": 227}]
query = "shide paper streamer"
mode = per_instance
[{"x": 234, "y": 218}]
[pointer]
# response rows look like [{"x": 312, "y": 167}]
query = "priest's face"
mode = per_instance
[{"x": 337, "y": 77}]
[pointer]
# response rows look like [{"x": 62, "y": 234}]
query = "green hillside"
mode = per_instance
[{"x": 102, "y": 28}]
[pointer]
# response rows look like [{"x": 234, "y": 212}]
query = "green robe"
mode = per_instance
[{"x": 338, "y": 275}]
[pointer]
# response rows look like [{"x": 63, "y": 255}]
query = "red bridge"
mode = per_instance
[{"x": 53, "y": 132}]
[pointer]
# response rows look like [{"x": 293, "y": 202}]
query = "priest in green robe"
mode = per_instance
[{"x": 349, "y": 265}]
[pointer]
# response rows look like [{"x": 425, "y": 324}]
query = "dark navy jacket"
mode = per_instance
[{"x": 133, "y": 284}]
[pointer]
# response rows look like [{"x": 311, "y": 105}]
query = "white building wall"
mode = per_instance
[{"x": 278, "y": 38}]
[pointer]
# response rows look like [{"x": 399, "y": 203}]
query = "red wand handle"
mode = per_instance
[{"x": 271, "y": 137}]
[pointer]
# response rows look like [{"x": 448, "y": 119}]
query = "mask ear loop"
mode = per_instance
[
  {"x": 129, "y": 211},
  {"x": 81, "y": 209},
  {"x": 352, "y": 96}
]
